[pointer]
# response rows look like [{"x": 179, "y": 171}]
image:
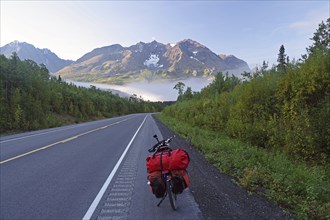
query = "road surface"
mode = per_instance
[{"x": 94, "y": 170}]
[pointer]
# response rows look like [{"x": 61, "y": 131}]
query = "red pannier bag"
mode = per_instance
[
  {"x": 179, "y": 160},
  {"x": 183, "y": 174},
  {"x": 157, "y": 185},
  {"x": 180, "y": 181},
  {"x": 159, "y": 161}
]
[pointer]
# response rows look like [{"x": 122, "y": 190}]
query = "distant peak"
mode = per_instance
[
  {"x": 18, "y": 42},
  {"x": 154, "y": 42},
  {"x": 222, "y": 56},
  {"x": 14, "y": 43},
  {"x": 190, "y": 41}
]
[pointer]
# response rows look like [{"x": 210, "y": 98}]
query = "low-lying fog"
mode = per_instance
[{"x": 153, "y": 91}]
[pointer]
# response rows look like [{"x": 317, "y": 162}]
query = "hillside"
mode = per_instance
[{"x": 270, "y": 131}]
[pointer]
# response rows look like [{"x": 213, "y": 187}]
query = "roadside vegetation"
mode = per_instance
[
  {"x": 271, "y": 131},
  {"x": 31, "y": 99}
]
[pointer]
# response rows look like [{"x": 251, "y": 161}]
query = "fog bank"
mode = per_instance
[{"x": 153, "y": 91}]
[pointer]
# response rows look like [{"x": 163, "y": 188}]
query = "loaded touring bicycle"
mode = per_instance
[{"x": 167, "y": 173}]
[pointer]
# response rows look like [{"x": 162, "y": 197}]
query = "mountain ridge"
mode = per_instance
[
  {"x": 150, "y": 61},
  {"x": 26, "y": 51},
  {"x": 116, "y": 64}
]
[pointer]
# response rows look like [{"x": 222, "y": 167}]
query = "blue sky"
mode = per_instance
[{"x": 250, "y": 30}]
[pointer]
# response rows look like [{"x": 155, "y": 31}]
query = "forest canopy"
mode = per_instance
[{"x": 32, "y": 99}]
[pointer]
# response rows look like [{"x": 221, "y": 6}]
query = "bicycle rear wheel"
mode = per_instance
[{"x": 171, "y": 195}]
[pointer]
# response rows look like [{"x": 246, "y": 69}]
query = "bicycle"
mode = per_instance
[{"x": 161, "y": 147}]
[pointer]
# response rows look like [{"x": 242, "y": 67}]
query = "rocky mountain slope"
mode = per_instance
[
  {"x": 151, "y": 61},
  {"x": 27, "y": 51}
]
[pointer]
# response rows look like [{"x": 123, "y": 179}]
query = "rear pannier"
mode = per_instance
[
  {"x": 157, "y": 184},
  {"x": 180, "y": 180}
]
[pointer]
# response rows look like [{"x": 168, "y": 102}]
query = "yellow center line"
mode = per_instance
[
  {"x": 69, "y": 139},
  {"x": 61, "y": 142},
  {"x": 30, "y": 152}
]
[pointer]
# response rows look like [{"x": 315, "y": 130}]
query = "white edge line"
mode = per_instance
[{"x": 99, "y": 196}]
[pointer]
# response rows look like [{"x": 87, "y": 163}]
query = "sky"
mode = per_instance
[{"x": 250, "y": 30}]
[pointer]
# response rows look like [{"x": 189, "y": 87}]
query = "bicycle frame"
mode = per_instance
[{"x": 167, "y": 178}]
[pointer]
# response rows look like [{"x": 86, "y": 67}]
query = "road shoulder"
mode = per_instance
[{"x": 217, "y": 194}]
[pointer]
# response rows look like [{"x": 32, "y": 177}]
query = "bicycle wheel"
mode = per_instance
[{"x": 171, "y": 195}]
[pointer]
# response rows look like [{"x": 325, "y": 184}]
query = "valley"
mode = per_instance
[{"x": 149, "y": 91}]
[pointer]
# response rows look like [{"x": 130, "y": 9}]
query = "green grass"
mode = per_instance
[{"x": 302, "y": 190}]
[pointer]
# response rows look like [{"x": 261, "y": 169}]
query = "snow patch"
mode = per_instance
[
  {"x": 191, "y": 57},
  {"x": 172, "y": 45},
  {"x": 195, "y": 52},
  {"x": 152, "y": 61}
]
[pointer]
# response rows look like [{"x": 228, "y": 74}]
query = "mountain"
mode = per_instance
[
  {"x": 40, "y": 56},
  {"x": 150, "y": 61}
]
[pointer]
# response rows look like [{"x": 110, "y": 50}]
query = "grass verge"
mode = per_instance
[{"x": 302, "y": 190}]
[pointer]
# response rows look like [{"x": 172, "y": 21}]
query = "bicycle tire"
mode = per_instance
[{"x": 171, "y": 195}]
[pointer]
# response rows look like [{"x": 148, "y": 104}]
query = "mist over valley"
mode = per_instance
[{"x": 152, "y": 91}]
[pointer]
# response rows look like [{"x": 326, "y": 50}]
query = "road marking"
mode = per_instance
[
  {"x": 30, "y": 152},
  {"x": 58, "y": 129},
  {"x": 70, "y": 139},
  {"x": 99, "y": 196},
  {"x": 60, "y": 142},
  {"x": 33, "y": 135}
]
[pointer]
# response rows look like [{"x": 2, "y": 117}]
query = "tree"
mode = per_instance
[
  {"x": 264, "y": 67},
  {"x": 321, "y": 38},
  {"x": 281, "y": 59},
  {"x": 179, "y": 86},
  {"x": 188, "y": 94},
  {"x": 14, "y": 58}
]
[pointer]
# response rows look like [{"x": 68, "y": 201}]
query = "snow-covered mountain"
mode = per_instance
[
  {"x": 150, "y": 61},
  {"x": 27, "y": 51}
]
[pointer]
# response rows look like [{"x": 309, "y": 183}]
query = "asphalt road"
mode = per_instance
[{"x": 93, "y": 170}]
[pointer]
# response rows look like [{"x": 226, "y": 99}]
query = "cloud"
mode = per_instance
[{"x": 304, "y": 26}]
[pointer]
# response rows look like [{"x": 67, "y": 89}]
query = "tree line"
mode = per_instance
[
  {"x": 283, "y": 108},
  {"x": 32, "y": 99}
]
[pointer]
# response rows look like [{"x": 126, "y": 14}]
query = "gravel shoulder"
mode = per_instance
[{"x": 217, "y": 194}]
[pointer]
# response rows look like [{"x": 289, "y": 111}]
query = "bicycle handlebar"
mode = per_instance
[{"x": 162, "y": 143}]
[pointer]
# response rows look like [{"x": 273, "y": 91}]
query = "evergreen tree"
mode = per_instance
[
  {"x": 282, "y": 60},
  {"x": 188, "y": 94},
  {"x": 321, "y": 38},
  {"x": 264, "y": 67}
]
